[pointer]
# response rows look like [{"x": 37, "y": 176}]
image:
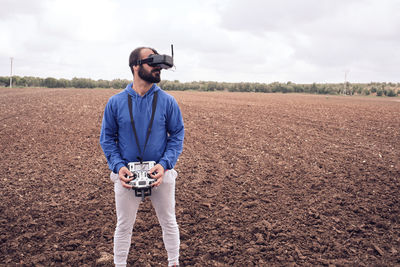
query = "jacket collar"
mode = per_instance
[{"x": 132, "y": 92}]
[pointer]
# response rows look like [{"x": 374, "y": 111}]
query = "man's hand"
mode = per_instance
[
  {"x": 159, "y": 169},
  {"x": 124, "y": 180}
]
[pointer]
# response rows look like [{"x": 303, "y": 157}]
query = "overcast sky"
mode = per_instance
[{"x": 302, "y": 41}]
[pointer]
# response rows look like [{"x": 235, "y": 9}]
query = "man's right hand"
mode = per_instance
[{"x": 123, "y": 172}]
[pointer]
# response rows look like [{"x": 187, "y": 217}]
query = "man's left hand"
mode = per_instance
[{"x": 159, "y": 169}]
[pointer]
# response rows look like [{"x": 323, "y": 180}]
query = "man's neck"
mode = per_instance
[{"x": 141, "y": 87}]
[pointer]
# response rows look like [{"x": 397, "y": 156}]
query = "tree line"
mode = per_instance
[
  {"x": 375, "y": 88},
  {"x": 28, "y": 81}
]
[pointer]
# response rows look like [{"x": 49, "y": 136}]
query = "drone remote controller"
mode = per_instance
[{"x": 142, "y": 181}]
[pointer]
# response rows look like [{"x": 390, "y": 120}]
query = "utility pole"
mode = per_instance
[
  {"x": 345, "y": 82},
  {"x": 11, "y": 72}
]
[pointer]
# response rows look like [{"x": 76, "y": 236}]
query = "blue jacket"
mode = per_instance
[{"x": 117, "y": 139}]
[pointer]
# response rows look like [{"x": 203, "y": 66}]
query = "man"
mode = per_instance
[{"x": 165, "y": 143}]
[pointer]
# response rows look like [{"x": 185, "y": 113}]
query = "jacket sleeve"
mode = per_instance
[
  {"x": 109, "y": 138},
  {"x": 175, "y": 129}
]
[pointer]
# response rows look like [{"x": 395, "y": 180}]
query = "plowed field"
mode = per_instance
[{"x": 264, "y": 179}]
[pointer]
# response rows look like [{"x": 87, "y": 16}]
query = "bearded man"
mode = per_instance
[{"x": 162, "y": 144}]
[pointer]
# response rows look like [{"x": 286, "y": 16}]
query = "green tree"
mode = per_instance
[
  {"x": 391, "y": 93},
  {"x": 50, "y": 82},
  {"x": 366, "y": 91},
  {"x": 4, "y": 81}
]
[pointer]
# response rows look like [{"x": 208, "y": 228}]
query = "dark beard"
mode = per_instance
[{"x": 151, "y": 77}]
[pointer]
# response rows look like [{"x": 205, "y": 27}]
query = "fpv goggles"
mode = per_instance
[{"x": 162, "y": 61}]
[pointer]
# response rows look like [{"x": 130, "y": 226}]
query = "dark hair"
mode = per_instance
[{"x": 135, "y": 56}]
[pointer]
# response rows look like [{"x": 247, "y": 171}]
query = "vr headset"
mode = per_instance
[{"x": 162, "y": 61}]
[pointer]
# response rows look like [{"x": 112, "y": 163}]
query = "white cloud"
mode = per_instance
[
  {"x": 225, "y": 40},
  {"x": 324, "y": 35},
  {"x": 11, "y": 8}
]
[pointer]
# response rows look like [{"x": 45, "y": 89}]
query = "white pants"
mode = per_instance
[{"x": 127, "y": 204}]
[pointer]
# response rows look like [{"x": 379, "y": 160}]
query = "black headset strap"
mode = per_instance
[{"x": 148, "y": 128}]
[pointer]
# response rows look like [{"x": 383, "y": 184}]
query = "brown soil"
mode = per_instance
[{"x": 265, "y": 179}]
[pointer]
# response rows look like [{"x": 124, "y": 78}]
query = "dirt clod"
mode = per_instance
[{"x": 264, "y": 180}]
